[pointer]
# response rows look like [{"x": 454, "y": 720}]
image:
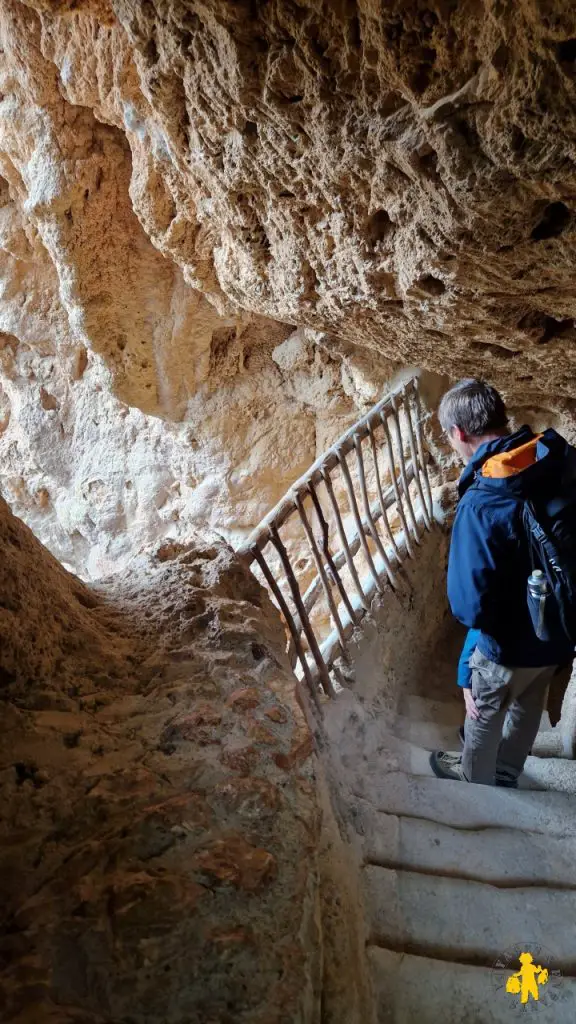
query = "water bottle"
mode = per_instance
[{"x": 538, "y": 591}]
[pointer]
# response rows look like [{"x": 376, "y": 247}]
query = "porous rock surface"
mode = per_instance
[
  {"x": 400, "y": 174},
  {"x": 160, "y": 823},
  {"x": 179, "y": 178},
  {"x": 130, "y": 409},
  {"x": 182, "y": 184}
]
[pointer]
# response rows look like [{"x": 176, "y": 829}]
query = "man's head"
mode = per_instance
[{"x": 470, "y": 414}]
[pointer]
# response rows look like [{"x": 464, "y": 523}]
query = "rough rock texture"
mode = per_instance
[
  {"x": 100, "y": 480},
  {"x": 181, "y": 185},
  {"x": 399, "y": 178},
  {"x": 399, "y": 174},
  {"x": 130, "y": 410},
  {"x": 160, "y": 818}
]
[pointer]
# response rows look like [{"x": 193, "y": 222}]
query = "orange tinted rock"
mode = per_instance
[
  {"x": 233, "y": 861},
  {"x": 200, "y": 725},
  {"x": 157, "y": 853},
  {"x": 241, "y": 759},
  {"x": 260, "y": 734},
  {"x": 183, "y": 809},
  {"x": 249, "y": 796},
  {"x": 204, "y": 714},
  {"x": 277, "y": 714},
  {"x": 244, "y": 700},
  {"x": 297, "y": 755}
]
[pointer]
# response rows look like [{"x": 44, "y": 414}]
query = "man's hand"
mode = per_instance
[{"x": 471, "y": 709}]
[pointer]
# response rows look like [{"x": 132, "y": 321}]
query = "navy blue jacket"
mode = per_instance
[{"x": 489, "y": 560}]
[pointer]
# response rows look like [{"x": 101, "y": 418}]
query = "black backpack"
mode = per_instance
[{"x": 550, "y": 527}]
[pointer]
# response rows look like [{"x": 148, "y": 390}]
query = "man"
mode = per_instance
[{"x": 488, "y": 569}]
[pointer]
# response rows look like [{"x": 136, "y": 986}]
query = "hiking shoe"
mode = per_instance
[{"x": 447, "y": 766}]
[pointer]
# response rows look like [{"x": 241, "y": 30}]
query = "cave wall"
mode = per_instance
[
  {"x": 399, "y": 174},
  {"x": 131, "y": 411},
  {"x": 99, "y": 480},
  {"x": 161, "y": 815},
  {"x": 224, "y": 226},
  {"x": 183, "y": 185}
]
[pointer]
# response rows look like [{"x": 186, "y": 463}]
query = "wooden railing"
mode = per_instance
[{"x": 358, "y": 521}]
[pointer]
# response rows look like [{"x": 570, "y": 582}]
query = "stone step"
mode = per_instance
[
  {"x": 501, "y": 857},
  {"x": 551, "y": 773},
  {"x": 466, "y": 807},
  {"x": 412, "y": 988},
  {"x": 395, "y": 753},
  {"x": 470, "y": 922},
  {"x": 444, "y": 736},
  {"x": 434, "y": 724},
  {"x": 384, "y": 743}
]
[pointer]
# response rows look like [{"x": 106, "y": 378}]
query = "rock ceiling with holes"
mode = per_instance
[
  {"x": 224, "y": 226},
  {"x": 184, "y": 183}
]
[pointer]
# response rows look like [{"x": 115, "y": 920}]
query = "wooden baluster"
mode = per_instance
[
  {"x": 344, "y": 540},
  {"x": 328, "y": 554},
  {"x": 420, "y": 444},
  {"x": 397, "y": 495},
  {"x": 368, "y": 514},
  {"x": 414, "y": 457},
  {"x": 284, "y": 508},
  {"x": 380, "y": 494},
  {"x": 299, "y": 605},
  {"x": 288, "y": 618},
  {"x": 318, "y": 561},
  {"x": 403, "y": 474},
  {"x": 358, "y": 521}
]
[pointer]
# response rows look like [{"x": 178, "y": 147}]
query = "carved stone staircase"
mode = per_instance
[{"x": 456, "y": 878}]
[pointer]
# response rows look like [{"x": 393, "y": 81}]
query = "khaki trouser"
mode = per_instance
[{"x": 510, "y": 702}]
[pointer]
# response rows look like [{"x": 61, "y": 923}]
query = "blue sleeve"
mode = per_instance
[
  {"x": 464, "y": 677},
  {"x": 477, "y": 567}
]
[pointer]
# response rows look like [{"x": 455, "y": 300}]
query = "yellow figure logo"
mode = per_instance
[{"x": 526, "y": 981}]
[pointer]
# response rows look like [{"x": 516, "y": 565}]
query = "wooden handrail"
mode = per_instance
[
  {"x": 381, "y": 556},
  {"x": 345, "y": 444},
  {"x": 314, "y": 590}
]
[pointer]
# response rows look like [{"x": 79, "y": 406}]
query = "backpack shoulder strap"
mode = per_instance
[{"x": 528, "y": 522}]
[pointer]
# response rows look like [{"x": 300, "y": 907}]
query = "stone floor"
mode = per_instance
[{"x": 457, "y": 879}]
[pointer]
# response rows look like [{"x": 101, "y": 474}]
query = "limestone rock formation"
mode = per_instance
[
  {"x": 160, "y": 822},
  {"x": 178, "y": 178},
  {"x": 99, "y": 479},
  {"x": 130, "y": 410},
  {"x": 400, "y": 175},
  {"x": 223, "y": 227}
]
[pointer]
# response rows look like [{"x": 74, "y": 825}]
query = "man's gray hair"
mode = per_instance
[{"x": 474, "y": 407}]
